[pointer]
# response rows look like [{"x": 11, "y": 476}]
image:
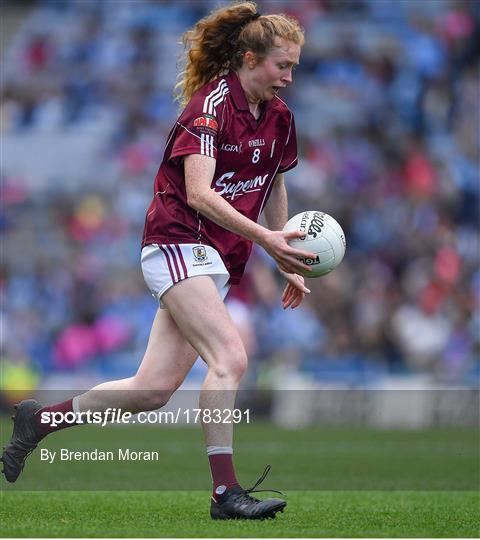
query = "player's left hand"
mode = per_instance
[{"x": 295, "y": 291}]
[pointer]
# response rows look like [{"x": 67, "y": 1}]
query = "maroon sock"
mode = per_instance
[
  {"x": 64, "y": 408},
  {"x": 223, "y": 473}
]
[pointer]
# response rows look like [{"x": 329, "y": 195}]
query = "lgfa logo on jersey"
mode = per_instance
[
  {"x": 226, "y": 147},
  {"x": 200, "y": 253}
]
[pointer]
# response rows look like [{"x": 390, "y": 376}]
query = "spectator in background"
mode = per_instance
[{"x": 384, "y": 99}]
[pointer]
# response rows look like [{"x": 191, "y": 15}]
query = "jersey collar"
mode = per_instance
[{"x": 238, "y": 94}]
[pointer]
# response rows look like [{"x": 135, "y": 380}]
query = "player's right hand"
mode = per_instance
[{"x": 275, "y": 243}]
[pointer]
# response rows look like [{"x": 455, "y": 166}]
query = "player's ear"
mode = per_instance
[{"x": 250, "y": 59}]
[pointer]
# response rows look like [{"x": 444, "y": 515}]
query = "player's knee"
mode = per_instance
[
  {"x": 156, "y": 399},
  {"x": 239, "y": 365},
  {"x": 149, "y": 399},
  {"x": 233, "y": 364}
]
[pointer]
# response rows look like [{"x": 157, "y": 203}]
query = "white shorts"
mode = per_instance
[{"x": 163, "y": 265}]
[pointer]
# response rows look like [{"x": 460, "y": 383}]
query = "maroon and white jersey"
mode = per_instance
[{"x": 249, "y": 153}]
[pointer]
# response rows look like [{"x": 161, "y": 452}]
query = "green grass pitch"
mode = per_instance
[
  {"x": 339, "y": 482},
  {"x": 185, "y": 514}
]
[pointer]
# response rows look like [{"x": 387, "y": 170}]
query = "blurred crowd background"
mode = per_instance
[{"x": 386, "y": 100}]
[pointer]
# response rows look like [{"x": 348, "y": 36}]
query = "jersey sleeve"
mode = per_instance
[
  {"x": 289, "y": 158},
  {"x": 196, "y": 131}
]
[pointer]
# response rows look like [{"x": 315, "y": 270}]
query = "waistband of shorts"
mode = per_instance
[{"x": 172, "y": 240}]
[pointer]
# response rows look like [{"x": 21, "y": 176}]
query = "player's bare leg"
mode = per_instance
[
  {"x": 207, "y": 325},
  {"x": 167, "y": 360}
]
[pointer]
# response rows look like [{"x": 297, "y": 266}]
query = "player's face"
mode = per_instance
[{"x": 275, "y": 71}]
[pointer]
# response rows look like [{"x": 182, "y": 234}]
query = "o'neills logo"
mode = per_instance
[
  {"x": 315, "y": 224},
  {"x": 303, "y": 224},
  {"x": 235, "y": 189},
  {"x": 256, "y": 142}
]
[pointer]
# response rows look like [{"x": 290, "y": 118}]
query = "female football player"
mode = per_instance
[{"x": 224, "y": 165}]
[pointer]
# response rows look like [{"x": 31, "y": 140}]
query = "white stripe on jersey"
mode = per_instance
[
  {"x": 210, "y": 144},
  {"x": 213, "y": 94},
  {"x": 273, "y": 147},
  {"x": 289, "y": 129},
  {"x": 216, "y": 101},
  {"x": 206, "y": 145},
  {"x": 221, "y": 85}
]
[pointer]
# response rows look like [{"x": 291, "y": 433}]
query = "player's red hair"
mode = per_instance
[{"x": 218, "y": 42}]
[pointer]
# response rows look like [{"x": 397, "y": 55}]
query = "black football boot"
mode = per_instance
[
  {"x": 25, "y": 437},
  {"x": 237, "y": 503}
]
